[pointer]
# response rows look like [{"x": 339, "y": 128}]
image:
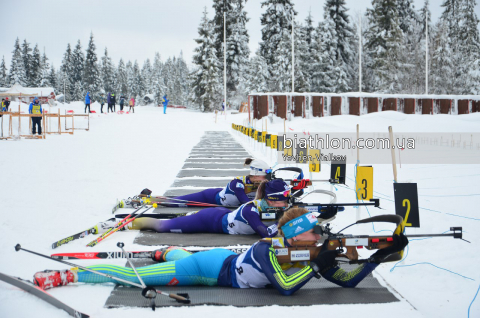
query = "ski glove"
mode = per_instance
[
  {"x": 324, "y": 261},
  {"x": 399, "y": 243}
]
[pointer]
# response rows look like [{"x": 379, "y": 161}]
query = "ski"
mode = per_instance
[
  {"x": 135, "y": 254},
  {"x": 120, "y": 204},
  {"x": 77, "y": 236},
  {"x": 40, "y": 293}
]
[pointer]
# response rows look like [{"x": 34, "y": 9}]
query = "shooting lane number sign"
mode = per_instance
[
  {"x": 302, "y": 154},
  {"x": 338, "y": 171},
  {"x": 314, "y": 160},
  {"x": 274, "y": 142},
  {"x": 364, "y": 183},
  {"x": 406, "y": 203},
  {"x": 268, "y": 140}
]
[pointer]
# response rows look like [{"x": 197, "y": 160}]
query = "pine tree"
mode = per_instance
[
  {"x": 205, "y": 78},
  {"x": 442, "y": 66},
  {"x": 137, "y": 86},
  {"x": 52, "y": 79},
  {"x": 17, "y": 72},
  {"x": 158, "y": 83},
  {"x": 470, "y": 46},
  {"x": 258, "y": 74},
  {"x": 108, "y": 73},
  {"x": 91, "y": 75},
  {"x": 221, "y": 6},
  {"x": 277, "y": 27},
  {"x": 3, "y": 73},
  {"x": 238, "y": 53},
  {"x": 121, "y": 79},
  {"x": 45, "y": 75},
  {"x": 78, "y": 64},
  {"x": 147, "y": 75},
  {"x": 35, "y": 67},
  {"x": 66, "y": 76},
  {"x": 383, "y": 44},
  {"x": 27, "y": 62},
  {"x": 308, "y": 34}
]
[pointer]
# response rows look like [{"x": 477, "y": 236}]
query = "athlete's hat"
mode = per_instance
[
  {"x": 277, "y": 190},
  {"x": 299, "y": 225}
]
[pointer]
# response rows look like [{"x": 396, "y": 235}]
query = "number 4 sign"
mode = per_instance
[{"x": 406, "y": 203}]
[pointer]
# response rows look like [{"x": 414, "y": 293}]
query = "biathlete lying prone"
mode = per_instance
[
  {"x": 258, "y": 267},
  {"x": 238, "y": 191},
  {"x": 244, "y": 220}
]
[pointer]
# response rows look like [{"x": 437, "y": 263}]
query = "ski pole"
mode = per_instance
[
  {"x": 180, "y": 298},
  {"x": 147, "y": 293},
  {"x": 180, "y": 201},
  {"x": 117, "y": 228}
]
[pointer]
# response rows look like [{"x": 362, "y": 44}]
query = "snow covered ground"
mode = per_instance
[{"x": 53, "y": 188}]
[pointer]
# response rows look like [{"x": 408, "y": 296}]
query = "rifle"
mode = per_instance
[{"x": 348, "y": 244}]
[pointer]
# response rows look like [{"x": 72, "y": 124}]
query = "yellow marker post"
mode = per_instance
[
  {"x": 273, "y": 143},
  {"x": 364, "y": 183},
  {"x": 314, "y": 160}
]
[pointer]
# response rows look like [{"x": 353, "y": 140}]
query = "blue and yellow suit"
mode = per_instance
[{"x": 256, "y": 268}]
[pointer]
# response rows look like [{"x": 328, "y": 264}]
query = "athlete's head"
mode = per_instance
[
  {"x": 275, "y": 192},
  {"x": 297, "y": 224},
  {"x": 258, "y": 169}
]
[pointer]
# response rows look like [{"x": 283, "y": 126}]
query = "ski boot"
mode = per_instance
[
  {"x": 53, "y": 278},
  {"x": 103, "y": 227}
]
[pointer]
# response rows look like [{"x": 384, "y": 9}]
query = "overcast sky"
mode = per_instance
[{"x": 134, "y": 30}]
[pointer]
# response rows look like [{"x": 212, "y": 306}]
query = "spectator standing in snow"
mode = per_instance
[
  {"x": 122, "y": 102},
  {"x": 36, "y": 109},
  {"x": 113, "y": 101},
  {"x": 109, "y": 103},
  {"x": 6, "y": 104},
  {"x": 87, "y": 102},
  {"x": 131, "y": 103},
  {"x": 165, "y": 103},
  {"x": 102, "y": 102}
]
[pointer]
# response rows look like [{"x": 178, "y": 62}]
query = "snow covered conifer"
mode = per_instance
[
  {"x": 121, "y": 82},
  {"x": 3, "y": 73},
  {"x": 276, "y": 20},
  {"x": 258, "y": 74},
  {"x": 45, "y": 72},
  {"x": 35, "y": 68},
  {"x": 17, "y": 72},
  {"x": 78, "y": 64},
  {"x": 107, "y": 73},
  {"x": 206, "y": 76},
  {"x": 91, "y": 75},
  {"x": 66, "y": 74}
]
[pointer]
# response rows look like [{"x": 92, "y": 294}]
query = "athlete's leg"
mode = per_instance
[
  {"x": 208, "y": 220},
  {"x": 200, "y": 268},
  {"x": 205, "y": 196}
]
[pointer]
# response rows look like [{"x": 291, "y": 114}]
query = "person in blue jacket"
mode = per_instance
[
  {"x": 87, "y": 102},
  {"x": 165, "y": 103},
  {"x": 258, "y": 267},
  {"x": 35, "y": 108}
]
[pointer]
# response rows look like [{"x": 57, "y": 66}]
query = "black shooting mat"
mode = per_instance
[
  {"x": 211, "y": 173},
  {"x": 208, "y": 155},
  {"x": 202, "y": 183},
  {"x": 151, "y": 238},
  {"x": 220, "y": 153},
  {"x": 215, "y": 160},
  {"x": 315, "y": 292},
  {"x": 189, "y": 165}
]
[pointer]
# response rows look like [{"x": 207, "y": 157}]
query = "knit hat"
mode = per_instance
[{"x": 277, "y": 190}]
